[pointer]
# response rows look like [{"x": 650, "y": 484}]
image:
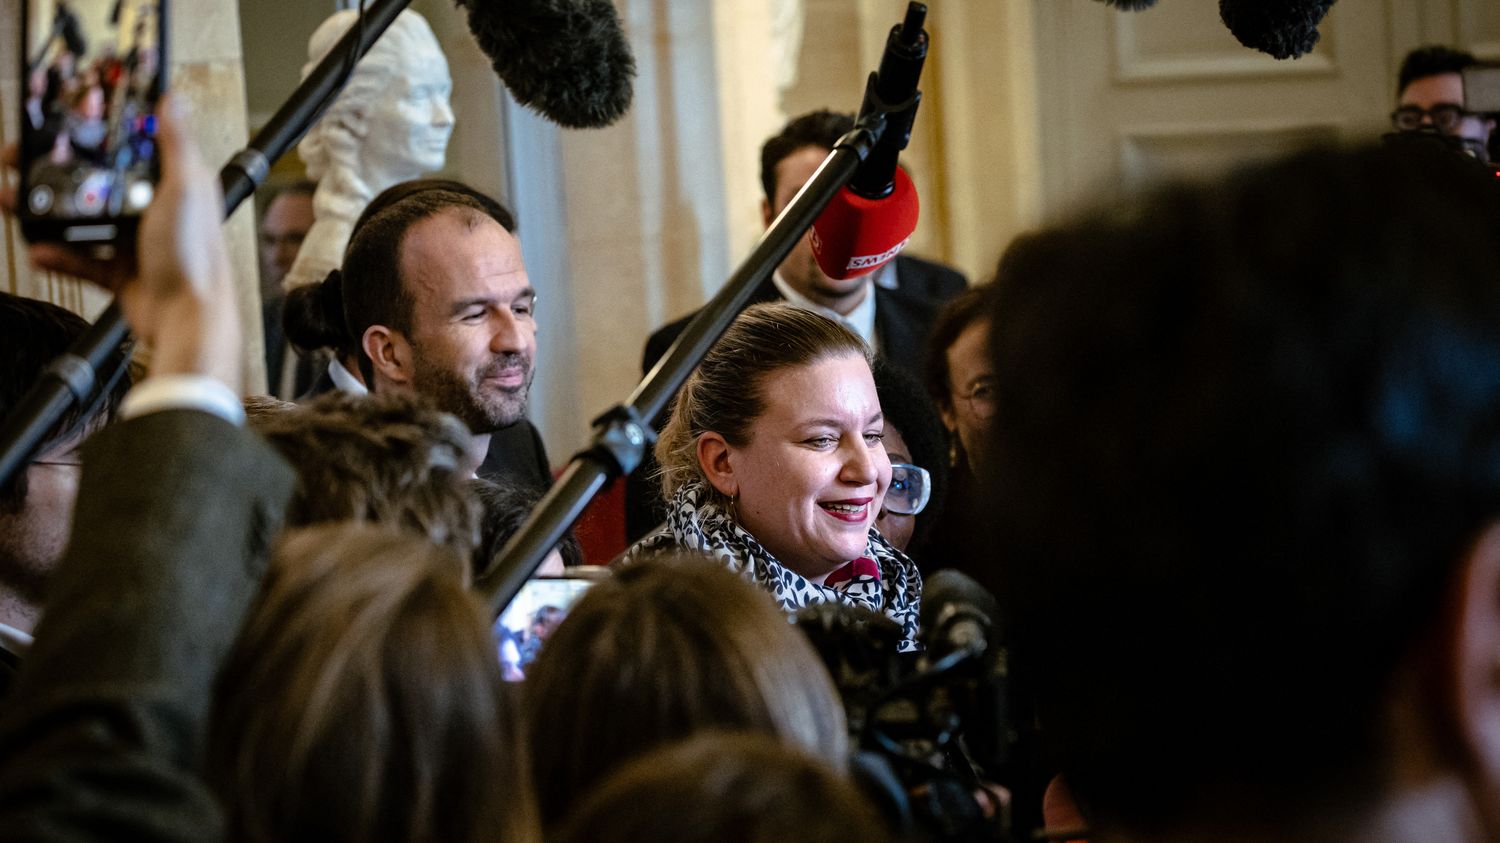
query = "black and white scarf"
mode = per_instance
[{"x": 695, "y": 522}]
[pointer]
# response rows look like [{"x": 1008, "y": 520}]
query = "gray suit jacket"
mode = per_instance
[{"x": 103, "y": 733}]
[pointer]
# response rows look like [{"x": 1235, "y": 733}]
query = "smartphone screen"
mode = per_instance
[
  {"x": 92, "y": 73},
  {"x": 524, "y": 627}
]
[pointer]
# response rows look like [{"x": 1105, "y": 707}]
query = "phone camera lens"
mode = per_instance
[{"x": 40, "y": 199}]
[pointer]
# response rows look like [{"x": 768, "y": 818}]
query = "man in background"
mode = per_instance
[
  {"x": 1430, "y": 97},
  {"x": 36, "y": 508},
  {"x": 288, "y": 217},
  {"x": 891, "y": 308}
]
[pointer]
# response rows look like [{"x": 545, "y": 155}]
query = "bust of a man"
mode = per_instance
[{"x": 391, "y": 123}]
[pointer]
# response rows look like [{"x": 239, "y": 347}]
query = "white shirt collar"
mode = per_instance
[
  {"x": 860, "y": 320},
  {"x": 14, "y": 640},
  {"x": 885, "y": 276},
  {"x": 345, "y": 381}
]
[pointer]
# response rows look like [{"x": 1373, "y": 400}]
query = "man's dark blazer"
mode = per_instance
[
  {"x": 903, "y": 318},
  {"x": 516, "y": 454},
  {"x": 103, "y": 733}
]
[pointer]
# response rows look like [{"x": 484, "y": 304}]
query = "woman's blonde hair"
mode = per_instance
[
  {"x": 363, "y": 700},
  {"x": 724, "y": 395},
  {"x": 665, "y": 649}
]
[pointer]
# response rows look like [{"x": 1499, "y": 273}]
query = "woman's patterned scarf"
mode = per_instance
[{"x": 695, "y": 522}]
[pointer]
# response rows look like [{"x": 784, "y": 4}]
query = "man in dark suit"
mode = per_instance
[{"x": 892, "y": 308}]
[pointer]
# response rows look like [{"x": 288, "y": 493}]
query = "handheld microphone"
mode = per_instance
[
  {"x": 958, "y": 614},
  {"x": 870, "y": 221},
  {"x": 567, "y": 59}
]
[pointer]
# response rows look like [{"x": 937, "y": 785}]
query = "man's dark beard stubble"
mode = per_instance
[{"x": 451, "y": 393}]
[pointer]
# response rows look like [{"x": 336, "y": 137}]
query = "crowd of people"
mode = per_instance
[{"x": 1225, "y": 453}]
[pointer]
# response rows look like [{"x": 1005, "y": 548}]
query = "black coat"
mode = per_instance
[
  {"x": 903, "y": 319},
  {"x": 102, "y": 734}
]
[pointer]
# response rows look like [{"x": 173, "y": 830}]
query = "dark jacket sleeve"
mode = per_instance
[{"x": 102, "y": 735}]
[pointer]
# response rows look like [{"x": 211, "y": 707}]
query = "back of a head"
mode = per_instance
[
  {"x": 503, "y": 508},
  {"x": 363, "y": 701},
  {"x": 32, "y": 334},
  {"x": 665, "y": 649},
  {"x": 385, "y": 458},
  {"x": 725, "y": 788},
  {"x": 1250, "y": 428}
]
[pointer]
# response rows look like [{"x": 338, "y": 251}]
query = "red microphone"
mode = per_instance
[
  {"x": 869, "y": 221},
  {"x": 856, "y": 235}
]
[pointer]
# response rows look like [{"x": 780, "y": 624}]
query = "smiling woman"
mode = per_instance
[{"x": 773, "y": 462}]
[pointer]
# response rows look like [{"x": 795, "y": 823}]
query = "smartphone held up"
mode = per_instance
[{"x": 93, "y": 71}]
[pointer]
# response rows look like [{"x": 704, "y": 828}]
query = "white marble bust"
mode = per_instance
[{"x": 391, "y": 123}]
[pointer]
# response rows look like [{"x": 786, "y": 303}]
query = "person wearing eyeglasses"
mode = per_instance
[
  {"x": 36, "y": 507},
  {"x": 917, "y": 445},
  {"x": 1430, "y": 98},
  {"x": 959, "y": 378}
]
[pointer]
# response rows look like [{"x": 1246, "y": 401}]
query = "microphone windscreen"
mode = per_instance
[
  {"x": 1285, "y": 29},
  {"x": 955, "y": 588},
  {"x": 855, "y": 235},
  {"x": 567, "y": 59}
]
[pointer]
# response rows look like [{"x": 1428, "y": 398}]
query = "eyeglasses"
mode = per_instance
[
  {"x": 980, "y": 397},
  {"x": 1446, "y": 117},
  {"x": 911, "y": 487}
]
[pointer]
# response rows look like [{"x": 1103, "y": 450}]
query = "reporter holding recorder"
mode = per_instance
[{"x": 772, "y": 462}]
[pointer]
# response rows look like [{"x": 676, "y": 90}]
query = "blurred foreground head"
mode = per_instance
[
  {"x": 725, "y": 788},
  {"x": 387, "y": 458},
  {"x": 363, "y": 701},
  {"x": 664, "y": 649},
  {"x": 1246, "y": 483}
]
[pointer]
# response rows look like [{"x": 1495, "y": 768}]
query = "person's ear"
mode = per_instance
[
  {"x": 950, "y": 418},
  {"x": 389, "y": 354},
  {"x": 1473, "y": 645},
  {"x": 765, "y": 212},
  {"x": 717, "y": 467}
]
